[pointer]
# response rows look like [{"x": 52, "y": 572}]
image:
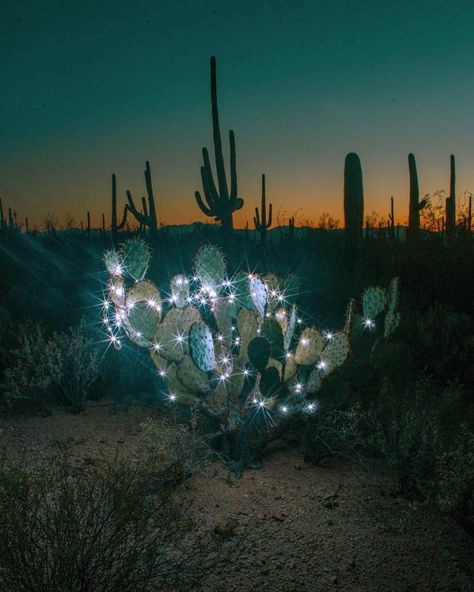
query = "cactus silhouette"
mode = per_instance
[
  {"x": 451, "y": 200},
  {"x": 391, "y": 219},
  {"x": 220, "y": 203},
  {"x": 260, "y": 220},
  {"x": 353, "y": 208},
  {"x": 147, "y": 217},
  {"x": 415, "y": 204},
  {"x": 114, "y": 227}
]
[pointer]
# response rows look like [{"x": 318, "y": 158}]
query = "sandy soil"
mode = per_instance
[{"x": 289, "y": 527}]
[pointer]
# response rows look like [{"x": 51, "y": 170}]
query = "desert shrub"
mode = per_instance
[
  {"x": 31, "y": 376},
  {"x": 442, "y": 343},
  {"x": 99, "y": 531},
  {"x": 429, "y": 449},
  {"x": 332, "y": 433},
  {"x": 61, "y": 368},
  {"x": 169, "y": 452}
]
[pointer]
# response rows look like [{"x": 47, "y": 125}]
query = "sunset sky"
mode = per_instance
[{"x": 89, "y": 88}]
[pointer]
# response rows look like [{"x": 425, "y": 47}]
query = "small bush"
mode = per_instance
[
  {"x": 100, "y": 531},
  {"x": 430, "y": 451},
  {"x": 332, "y": 433},
  {"x": 61, "y": 368},
  {"x": 169, "y": 452}
]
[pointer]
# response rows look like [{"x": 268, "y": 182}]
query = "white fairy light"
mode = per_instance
[
  {"x": 369, "y": 323},
  {"x": 284, "y": 409},
  {"x": 322, "y": 365},
  {"x": 172, "y": 397},
  {"x": 329, "y": 335},
  {"x": 162, "y": 373},
  {"x": 298, "y": 387}
]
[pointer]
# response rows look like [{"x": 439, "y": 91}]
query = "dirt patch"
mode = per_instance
[{"x": 289, "y": 527}]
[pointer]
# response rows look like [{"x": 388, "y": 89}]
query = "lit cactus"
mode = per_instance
[
  {"x": 179, "y": 290},
  {"x": 250, "y": 356},
  {"x": 202, "y": 347},
  {"x": 310, "y": 346},
  {"x": 374, "y": 302},
  {"x": 136, "y": 258},
  {"x": 210, "y": 268}
]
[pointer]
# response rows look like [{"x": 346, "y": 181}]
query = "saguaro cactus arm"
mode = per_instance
[{"x": 148, "y": 216}]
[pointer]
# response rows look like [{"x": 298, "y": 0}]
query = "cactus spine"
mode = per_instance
[
  {"x": 353, "y": 208},
  {"x": 220, "y": 204},
  {"x": 451, "y": 200},
  {"x": 261, "y": 222}
]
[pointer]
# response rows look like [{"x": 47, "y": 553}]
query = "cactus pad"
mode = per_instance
[
  {"x": 202, "y": 347},
  {"x": 373, "y": 302},
  {"x": 259, "y": 352},
  {"x": 179, "y": 291},
  {"x": 136, "y": 257},
  {"x": 210, "y": 268},
  {"x": 309, "y": 347}
]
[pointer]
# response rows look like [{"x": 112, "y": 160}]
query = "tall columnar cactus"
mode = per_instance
[
  {"x": 114, "y": 226},
  {"x": 262, "y": 223},
  {"x": 147, "y": 217},
  {"x": 451, "y": 200},
  {"x": 353, "y": 208},
  {"x": 415, "y": 204},
  {"x": 234, "y": 349},
  {"x": 3, "y": 223},
  {"x": 220, "y": 203}
]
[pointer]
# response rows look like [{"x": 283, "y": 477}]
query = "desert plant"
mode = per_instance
[
  {"x": 415, "y": 204},
  {"x": 333, "y": 433},
  {"x": 233, "y": 348},
  {"x": 99, "y": 531},
  {"x": 261, "y": 222},
  {"x": 60, "y": 368},
  {"x": 168, "y": 451},
  {"x": 451, "y": 199},
  {"x": 74, "y": 363},
  {"x": 220, "y": 202},
  {"x": 353, "y": 208}
]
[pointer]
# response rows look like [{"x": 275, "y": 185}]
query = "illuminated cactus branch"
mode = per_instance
[
  {"x": 233, "y": 347},
  {"x": 218, "y": 202},
  {"x": 260, "y": 220}
]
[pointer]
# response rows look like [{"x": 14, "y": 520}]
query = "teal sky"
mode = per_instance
[{"x": 89, "y": 88}]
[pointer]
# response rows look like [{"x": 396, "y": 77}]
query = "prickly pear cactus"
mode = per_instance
[
  {"x": 180, "y": 291},
  {"x": 335, "y": 353},
  {"x": 374, "y": 301},
  {"x": 136, "y": 258},
  {"x": 112, "y": 263},
  {"x": 202, "y": 347},
  {"x": 232, "y": 348},
  {"x": 210, "y": 268},
  {"x": 310, "y": 346}
]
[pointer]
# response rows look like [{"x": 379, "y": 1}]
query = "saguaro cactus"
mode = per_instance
[
  {"x": 451, "y": 200},
  {"x": 148, "y": 216},
  {"x": 415, "y": 204},
  {"x": 114, "y": 227},
  {"x": 220, "y": 204},
  {"x": 353, "y": 208},
  {"x": 260, "y": 220}
]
